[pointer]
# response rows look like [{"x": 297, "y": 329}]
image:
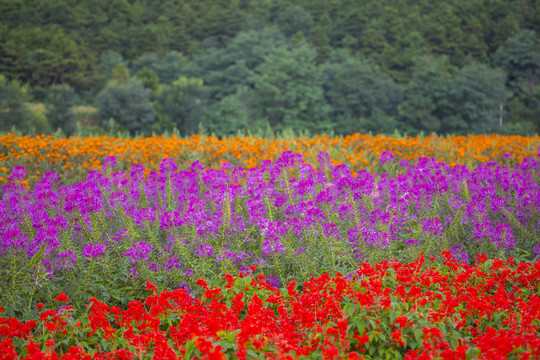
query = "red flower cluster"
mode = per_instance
[{"x": 410, "y": 311}]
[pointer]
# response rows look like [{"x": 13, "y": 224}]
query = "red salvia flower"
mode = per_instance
[{"x": 62, "y": 298}]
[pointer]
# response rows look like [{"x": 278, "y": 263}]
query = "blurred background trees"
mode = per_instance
[
  {"x": 308, "y": 65},
  {"x": 128, "y": 104}
]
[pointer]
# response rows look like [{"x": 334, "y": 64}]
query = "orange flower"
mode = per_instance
[{"x": 71, "y": 158}]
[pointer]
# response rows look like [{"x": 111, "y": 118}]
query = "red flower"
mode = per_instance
[
  {"x": 62, "y": 298},
  {"x": 151, "y": 287},
  {"x": 354, "y": 356},
  {"x": 202, "y": 283},
  {"x": 51, "y": 326},
  {"x": 230, "y": 281},
  {"x": 396, "y": 336},
  {"x": 331, "y": 352},
  {"x": 76, "y": 353},
  {"x": 7, "y": 349},
  {"x": 40, "y": 306},
  {"x": 402, "y": 321},
  {"x": 363, "y": 340}
]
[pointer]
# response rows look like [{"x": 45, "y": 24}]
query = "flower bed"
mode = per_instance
[
  {"x": 108, "y": 235},
  {"x": 118, "y": 236},
  {"x": 72, "y": 158},
  {"x": 419, "y": 310}
]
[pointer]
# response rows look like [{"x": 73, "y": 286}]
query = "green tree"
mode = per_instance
[
  {"x": 475, "y": 98},
  {"x": 167, "y": 68},
  {"x": 519, "y": 56},
  {"x": 294, "y": 19},
  {"x": 149, "y": 79},
  {"x": 120, "y": 74},
  {"x": 128, "y": 105},
  {"x": 59, "y": 113},
  {"x": 362, "y": 97},
  {"x": 288, "y": 91},
  {"x": 228, "y": 116},
  {"x": 180, "y": 104},
  {"x": 224, "y": 70},
  {"x": 319, "y": 36},
  {"x": 58, "y": 59},
  {"x": 13, "y": 109},
  {"x": 426, "y": 93},
  {"x": 108, "y": 61},
  {"x": 440, "y": 99}
]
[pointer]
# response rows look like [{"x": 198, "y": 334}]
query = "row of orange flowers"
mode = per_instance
[{"x": 75, "y": 156}]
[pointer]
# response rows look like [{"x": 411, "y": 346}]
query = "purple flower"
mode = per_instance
[
  {"x": 536, "y": 250},
  {"x": 172, "y": 263},
  {"x": 109, "y": 162},
  {"x": 50, "y": 177},
  {"x": 167, "y": 166},
  {"x": 139, "y": 251},
  {"x": 13, "y": 237},
  {"x": 324, "y": 161},
  {"x": 272, "y": 280},
  {"x": 404, "y": 163},
  {"x": 66, "y": 259},
  {"x": 459, "y": 254},
  {"x": 225, "y": 165},
  {"x": 272, "y": 244},
  {"x": 279, "y": 201},
  {"x": 386, "y": 156},
  {"x": 432, "y": 226},
  {"x": 331, "y": 229},
  {"x": 504, "y": 237},
  {"x": 197, "y": 167},
  {"x": 137, "y": 172},
  {"x": 18, "y": 173},
  {"x": 94, "y": 250},
  {"x": 133, "y": 273},
  {"x": 184, "y": 285},
  {"x": 205, "y": 250},
  {"x": 120, "y": 236}
]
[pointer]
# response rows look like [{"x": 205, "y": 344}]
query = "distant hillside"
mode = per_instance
[{"x": 224, "y": 43}]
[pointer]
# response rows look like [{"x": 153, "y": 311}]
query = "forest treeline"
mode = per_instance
[{"x": 342, "y": 66}]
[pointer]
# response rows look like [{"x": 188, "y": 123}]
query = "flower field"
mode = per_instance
[
  {"x": 357, "y": 247},
  {"x": 71, "y": 158}
]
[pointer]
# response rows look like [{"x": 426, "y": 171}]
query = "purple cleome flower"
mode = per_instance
[
  {"x": 94, "y": 250},
  {"x": 139, "y": 251},
  {"x": 18, "y": 173},
  {"x": 386, "y": 156},
  {"x": 281, "y": 209}
]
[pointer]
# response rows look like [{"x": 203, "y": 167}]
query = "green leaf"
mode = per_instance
[
  {"x": 252, "y": 353},
  {"x": 418, "y": 334}
]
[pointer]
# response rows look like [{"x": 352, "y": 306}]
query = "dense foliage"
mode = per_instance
[{"x": 344, "y": 66}]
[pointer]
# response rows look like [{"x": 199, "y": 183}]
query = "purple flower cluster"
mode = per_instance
[
  {"x": 279, "y": 210},
  {"x": 94, "y": 250},
  {"x": 140, "y": 251}
]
